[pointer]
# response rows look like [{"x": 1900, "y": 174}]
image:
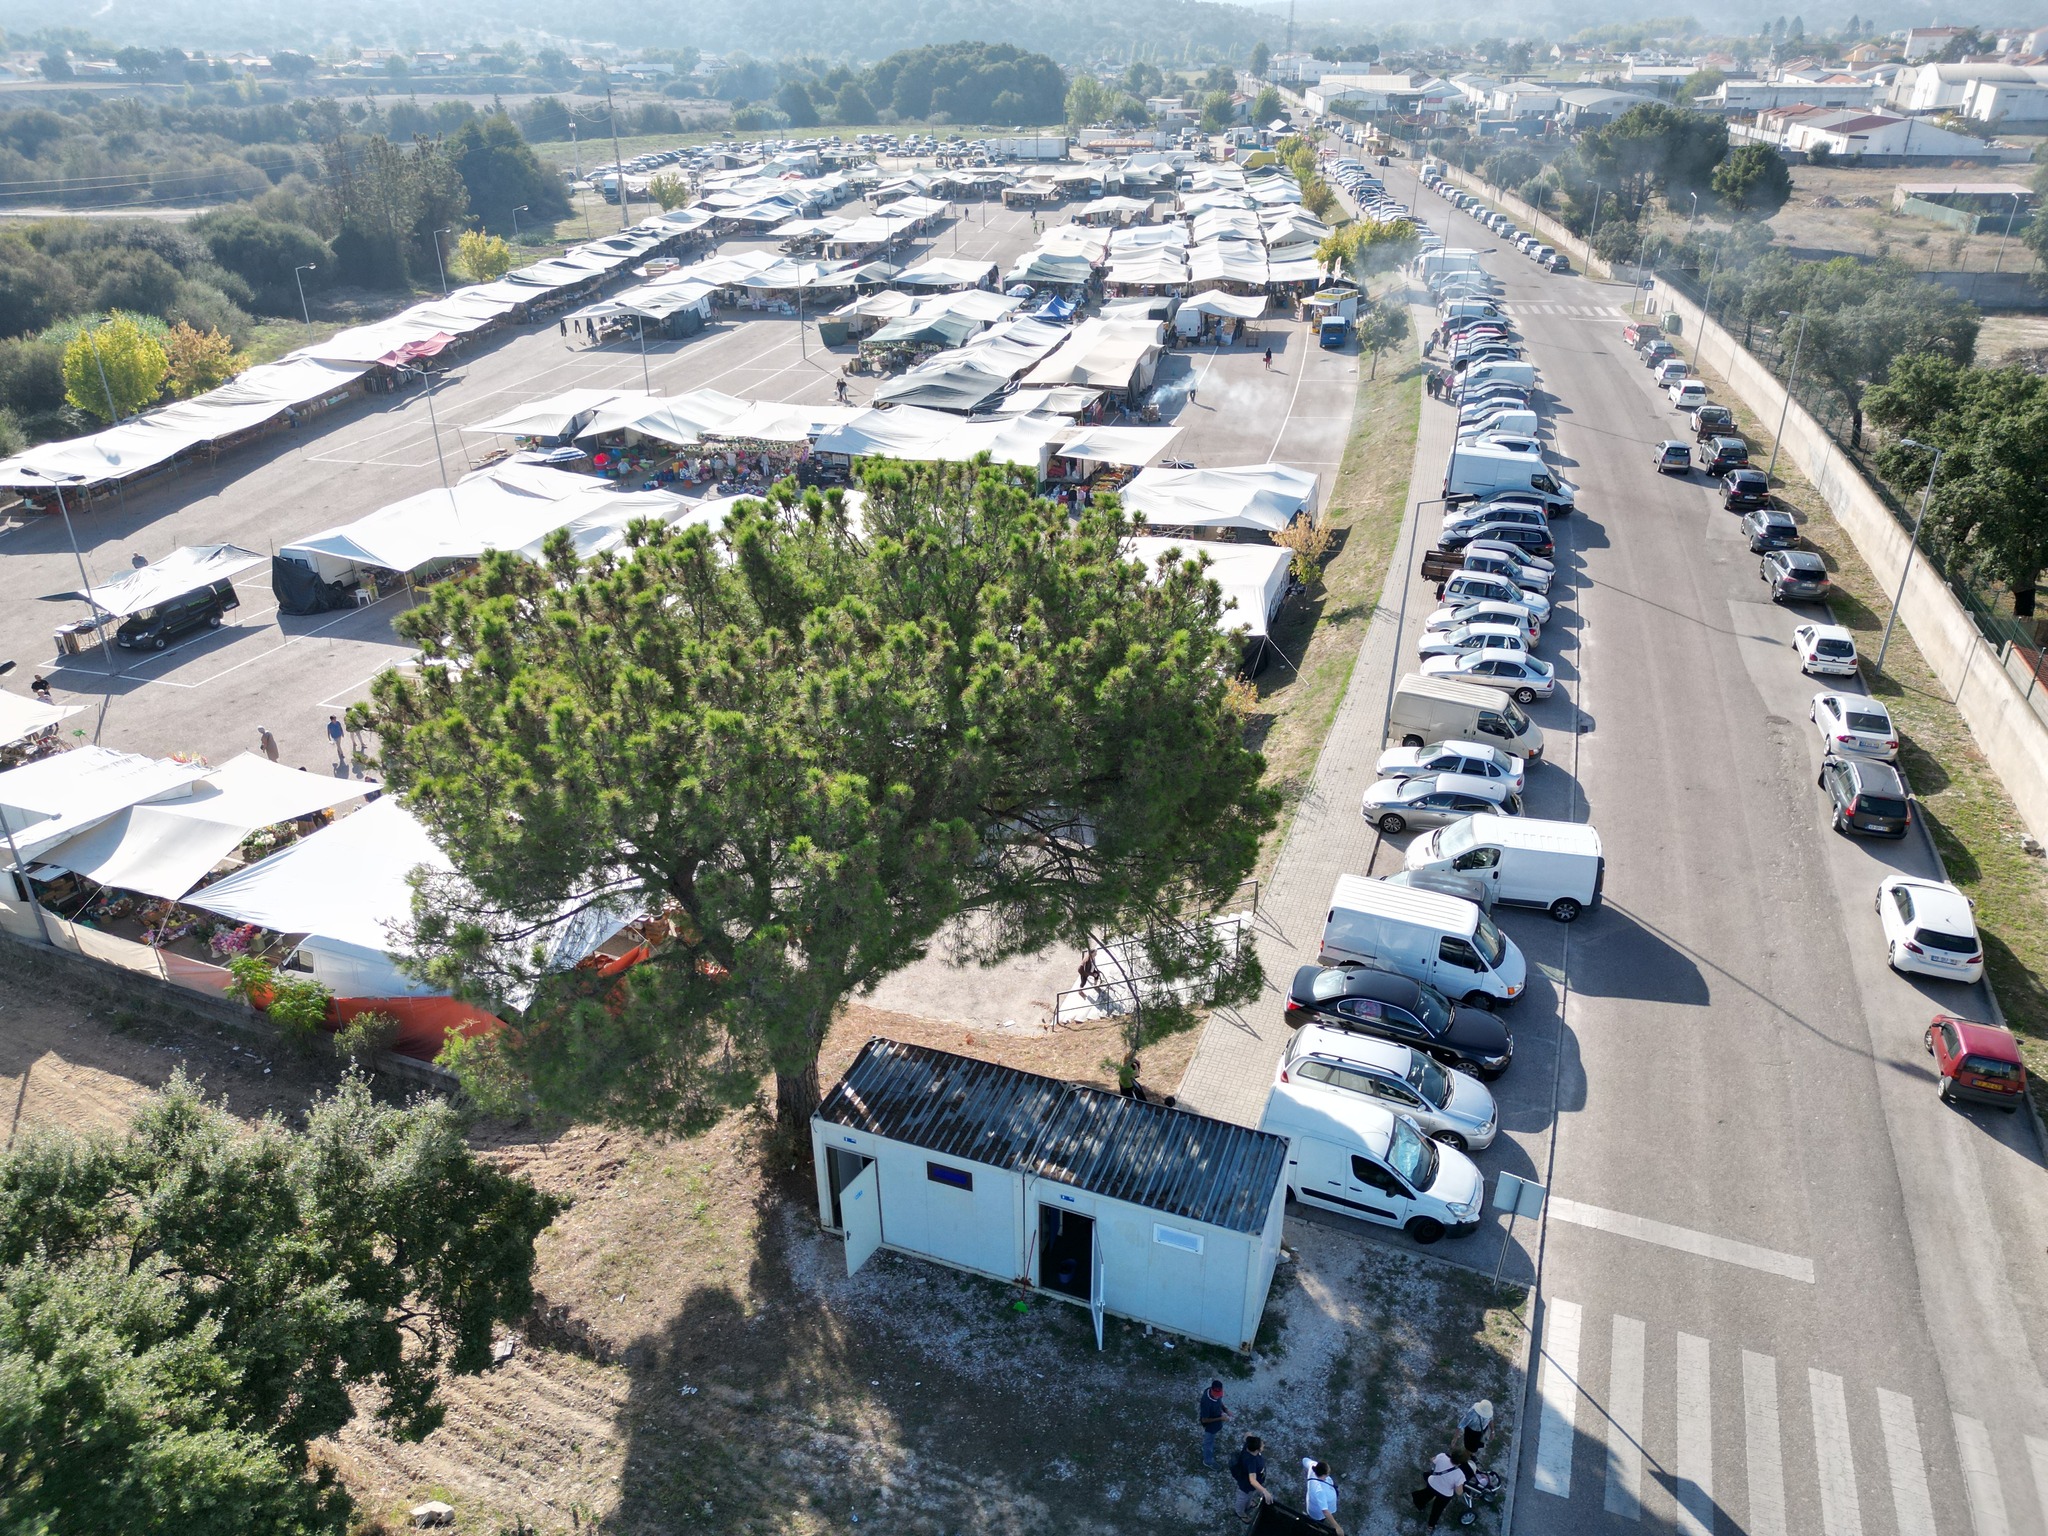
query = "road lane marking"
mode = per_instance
[
  {"x": 2037, "y": 1456},
  {"x": 1766, "y": 1457},
  {"x": 1980, "y": 1478},
  {"x": 1908, "y": 1468},
  {"x": 1625, "y": 1420},
  {"x": 1557, "y": 1388},
  {"x": 1695, "y": 1460},
  {"x": 1841, "y": 1514},
  {"x": 1707, "y": 1246}
]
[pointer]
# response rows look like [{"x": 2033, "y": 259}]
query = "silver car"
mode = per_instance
[
  {"x": 1451, "y": 1106},
  {"x": 1474, "y": 637},
  {"x": 1436, "y": 799},
  {"x": 1465, "y": 757},
  {"x": 1486, "y": 611}
]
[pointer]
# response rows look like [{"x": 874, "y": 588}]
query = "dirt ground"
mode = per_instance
[
  {"x": 2013, "y": 339},
  {"x": 701, "y": 1360},
  {"x": 1836, "y": 210}
]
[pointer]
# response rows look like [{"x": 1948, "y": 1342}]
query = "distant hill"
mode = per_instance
[{"x": 1168, "y": 31}]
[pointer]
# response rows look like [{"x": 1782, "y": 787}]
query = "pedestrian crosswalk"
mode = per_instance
[
  {"x": 1544, "y": 307},
  {"x": 1647, "y": 1403}
]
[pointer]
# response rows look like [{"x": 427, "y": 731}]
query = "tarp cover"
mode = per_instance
[
  {"x": 1253, "y": 576},
  {"x": 55, "y": 798},
  {"x": 346, "y": 883},
  {"x": 560, "y": 415},
  {"x": 1119, "y": 445},
  {"x": 947, "y": 272},
  {"x": 1261, "y": 498},
  {"x": 22, "y": 718},
  {"x": 300, "y": 590},
  {"x": 181, "y": 571},
  {"x": 1237, "y": 306},
  {"x": 165, "y": 850}
]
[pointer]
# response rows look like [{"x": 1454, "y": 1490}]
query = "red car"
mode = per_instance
[{"x": 1978, "y": 1062}]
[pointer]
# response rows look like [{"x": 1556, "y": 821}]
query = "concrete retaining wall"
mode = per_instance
[{"x": 2011, "y": 735}]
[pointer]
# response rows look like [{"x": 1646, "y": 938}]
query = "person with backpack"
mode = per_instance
[
  {"x": 1444, "y": 1482},
  {"x": 1248, "y": 1471},
  {"x": 1320, "y": 1501}
]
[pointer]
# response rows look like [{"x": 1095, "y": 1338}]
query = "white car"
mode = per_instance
[
  {"x": 1469, "y": 586},
  {"x": 1825, "y": 648},
  {"x": 1515, "y": 442},
  {"x": 1486, "y": 611},
  {"x": 1523, "y": 677},
  {"x": 1688, "y": 394},
  {"x": 1854, "y": 726},
  {"x": 1451, "y": 1106},
  {"x": 1506, "y": 638},
  {"x": 1473, "y": 759},
  {"x": 1435, "y": 799},
  {"x": 1929, "y": 928}
]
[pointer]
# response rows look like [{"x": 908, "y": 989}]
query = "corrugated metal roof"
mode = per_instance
[
  {"x": 1167, "y": 1160},
  {"x": 945, "y": 1103}
]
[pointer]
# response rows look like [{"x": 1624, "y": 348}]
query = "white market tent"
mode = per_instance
[
  {"x": 346, "y": 888},
  {"x": 1119, "y": 445},
  {"x": 1161, "y": 267},
  {"x": 1061, "y": 400},
  {"x": 770, "y": 421},
  {"x": 916, "y": 435},
  {"x": 1115, "y": 354},
  {"x": 164, "y": 850},
  {"x": 1229, "y": 261},
  {"x": 22, "y": 718},
  {"x": 677, "y": 419},
  {"x": 946, "y": 273},
  {"x": 181, "y": 571},
  {"x": 1253, "y": 576},
  {"x": 509, "y": 506},
  {"x": 1261, "y": 498},
  {"x": 562, "y": 415},
  {"x": 1236, "y": 306},
  {"x": 55, "y": 798}
]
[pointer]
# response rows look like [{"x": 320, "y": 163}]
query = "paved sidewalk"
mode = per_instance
[{"x": 1233, "y": 1065}]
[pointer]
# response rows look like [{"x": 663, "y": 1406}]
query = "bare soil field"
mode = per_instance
[
  {"x": 1840, "y": 210},
  {"x": 702, "y": 1361}
]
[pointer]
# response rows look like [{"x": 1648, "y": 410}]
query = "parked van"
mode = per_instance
[
  {"x": 1508, "y": 423},
  {"x": 1441, "y": 709},
  {"x": 1360, "y": 1160},
  {"x": 1486, "y": 469},
  {"x": 1555, "y": 865},
  {"x": 1425, "y": 936},
  {"x": 1431, "y": 263},
  {"x": 202, "y": 608},
  {"x": 1471, "y": 309},
  {"x": 1512, "y": 371}
]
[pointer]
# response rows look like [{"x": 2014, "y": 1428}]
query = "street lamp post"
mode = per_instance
[
  {"x": 100, "y": 615},
  {"x": 1792, "y": 378},
  {"x": 306, "y": 314},
  {"x": 2010, "y": 216},
  {"x": 522, "y": 208},
  {"x": 645, "y": 382},
  {"x": 1913, "y": 544},
  {"x": 113, "y": 411},
  {"x": 439, "y": 266},
  {"x": 434, "y": 424}
]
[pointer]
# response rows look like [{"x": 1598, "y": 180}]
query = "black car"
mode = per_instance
[
  {"x": 1718, "y": 455},
  {"x": 154, "y": 628},
  {"x": 1530, "y": 541},
  {"x": 1368, "y": 1001},
  {"x": 1711, "y": 421},
  {"x": 1742, "y": 489},
  {"x": 1869, "y": 797}
]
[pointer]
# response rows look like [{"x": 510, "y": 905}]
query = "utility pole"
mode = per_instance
[
  {"x": 1290, "y": 26},
  {"x": 618, "y": 159}
]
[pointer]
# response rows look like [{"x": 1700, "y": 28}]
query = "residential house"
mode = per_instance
[
  {"x": 1941, "y": 87},
  {"x": 1746, "y": 98},
  {"x": 1922, "y": 41},
  {"x": 1845, "y": 133}
]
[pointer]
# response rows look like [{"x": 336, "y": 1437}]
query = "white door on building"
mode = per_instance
[
  {"x": 1095, "y": 1297},
  {"x": 860, "y": 1207}
]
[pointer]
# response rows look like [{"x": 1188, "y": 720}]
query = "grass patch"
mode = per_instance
[
  {"x": 271, "y": 339},
  {"x": 1320, "y": 635},
  {"x": 1972, "y": 818}
]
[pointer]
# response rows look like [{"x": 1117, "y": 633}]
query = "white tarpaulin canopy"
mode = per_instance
[
  {"x": 678, "y": 419},
  {"x": 346, "y": 883},
  {"x": 1235, "y": 306},
  {"x": 947, "y": 272},
  {"x": 1119, "y": 445},
  {"x": 1117, "y": 354},
  {"x": 55, "y": 798},
  {"x": 22, "y": 718},
  {"x": 165, "y": 850},
  {"x": 181, "y": 571},
  {"x": 554, "y": 415},
  {"x": 1262, "y": 498},
  {"x": 1253, "y": 576},
  {"x": 916, "y": 435}
]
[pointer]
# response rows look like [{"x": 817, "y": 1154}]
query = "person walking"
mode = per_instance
[
  {"x": 1445, "y": 1481},
  {"x": 1209, "y": 1410},
  {"x": 266, "y": 743},
  {"x": 334, "y": 734},
  {"x": 40, "y": 687},
  {"x": 1320, "y": 1502},
  {"x": 1090, "y": 972},
  {"x": 1473, "y": 1428},
  {"x": 1248, "y": 1471}
]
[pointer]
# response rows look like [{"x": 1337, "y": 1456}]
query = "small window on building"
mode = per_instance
[
  {"x": 1173, "y": 1237},
  {"x": 939, "y": 1173}
]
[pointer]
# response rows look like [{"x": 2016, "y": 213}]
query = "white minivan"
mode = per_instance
[
  {"x": 1358, "y": 1159},
  {"x": 1426, "y": 936},
  {"x": 1528, "y": 862}
]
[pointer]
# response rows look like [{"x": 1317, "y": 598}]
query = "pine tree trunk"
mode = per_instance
[{"x": 796, "y": 1096}]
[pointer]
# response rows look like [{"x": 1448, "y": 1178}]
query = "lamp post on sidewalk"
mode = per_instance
[
  {"x": 438, "y": 265},
  {"x": 306, "y": 314},
  {"x": 100, "y": 615},
  {"x": 522, "y": 208},
  {"x": 1798, "y": 350},
  {"x": 1926, "y": 494}
]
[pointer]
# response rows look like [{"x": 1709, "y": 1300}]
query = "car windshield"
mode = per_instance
[
  {"x": 1412, "y": 1154},
  {"x": 1455, "y": 839},
  {"x": 1876, "y": 725},
  {"x": 1947, "y": 943},
  {"x": 1487, "y": 937},
  {"x": 1429, "y": 1080},
  {"x": 1517, "y": 721}
]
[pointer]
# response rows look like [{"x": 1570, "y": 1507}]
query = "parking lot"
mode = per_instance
[{"x": 210, "y": 693}]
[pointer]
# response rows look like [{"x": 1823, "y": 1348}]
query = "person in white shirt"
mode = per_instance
[{"x": 1321, "y": 1502}]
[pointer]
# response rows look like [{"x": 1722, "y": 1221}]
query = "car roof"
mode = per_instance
[
  {"x": 1938, "y": 904},
  {"x": 1856, "y": 701},
  {"x": 1991, "y": 1040},
  {"x": 1344, "y": 1045},
  {"x": 1676, "y": 442},
  {"x": 1799, "y": 559},
  {"x": 1829, "y": 632},
  {"x": 1465, "y": 784},
  {"x": 1878, "y": 778}
]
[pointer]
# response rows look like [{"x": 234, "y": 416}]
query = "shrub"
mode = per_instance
[{"x": 365, "y": 1035}]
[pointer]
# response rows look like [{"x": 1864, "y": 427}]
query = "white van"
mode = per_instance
[
  {"x": 1510, "y": 423},
  {"x": 1470, "y": 309},
  {"x": 1429, "y": 709},
  {"x": 1488, "y": 469},
  {"x": 1555, "y": 865},
  {"x": 1506, "y": 371},
  {"x": 1360, "y": 1160},
  {"x": 1427, "y": 937}
]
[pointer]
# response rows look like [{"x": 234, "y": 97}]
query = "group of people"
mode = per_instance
[
  {"x": 1439, "y": 384},
  {"x": 1453, "y": 1475}
]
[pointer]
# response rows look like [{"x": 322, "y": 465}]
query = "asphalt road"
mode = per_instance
[
  {"x": 1782, "y": 1286},
  {"x": 208, "y": 694}
]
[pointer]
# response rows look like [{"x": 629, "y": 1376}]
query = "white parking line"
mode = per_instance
[
  {"x": 1766, "y": 1457},
  {"x": 1980, "y": 1478},
  {"x": 1841, "y": 1514},
  {"x": 1695, "y": 1460},
  {"x": 1727, "y": 1249},
  {"x": 1903, "y": 1460},
  {"x": 1625, "y": 1420}
]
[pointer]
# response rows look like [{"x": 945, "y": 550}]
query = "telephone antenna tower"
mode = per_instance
[{"x": 1290, "y": 26}]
